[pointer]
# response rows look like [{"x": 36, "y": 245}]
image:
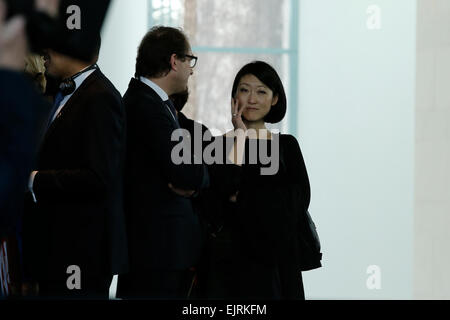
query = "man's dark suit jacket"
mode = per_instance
[
  {"x": 78, "y": 218},
  {"x": 163, "y": 230}
]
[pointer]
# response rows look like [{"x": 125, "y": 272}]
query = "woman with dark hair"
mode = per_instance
[{"x": 253, "y": 248}]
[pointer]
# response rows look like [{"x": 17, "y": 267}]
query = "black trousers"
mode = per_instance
[{"x": 155, "y": 284}]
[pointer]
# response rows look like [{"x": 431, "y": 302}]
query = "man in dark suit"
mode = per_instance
[
  {"x": 164, "y": 233},
  {"x": 74, "y": 226}
]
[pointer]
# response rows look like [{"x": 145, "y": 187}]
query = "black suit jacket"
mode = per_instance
[
  {"x": 164, "y": 231},
  {"x": 78, "y": 218}
]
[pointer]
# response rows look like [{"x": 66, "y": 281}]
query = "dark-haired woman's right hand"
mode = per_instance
[
  {"x": 240, "y": 132},
  {"x": 236, "y": 115}
]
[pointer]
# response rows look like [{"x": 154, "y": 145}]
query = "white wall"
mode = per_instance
[
  {"x": 356, "y": 129},
  {"x": 123, "y": 30},
  {"x": 432, "y": 182},
  {"x": 125, "y": 25}
]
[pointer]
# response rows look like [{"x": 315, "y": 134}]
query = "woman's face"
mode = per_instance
[{"x": 255, "y": 96}]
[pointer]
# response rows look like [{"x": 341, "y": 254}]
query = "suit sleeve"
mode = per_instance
[
  {"x": 103, "y": 143},
  {"x": 186, "y": 175}
]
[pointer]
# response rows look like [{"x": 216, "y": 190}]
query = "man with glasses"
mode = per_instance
[
  {"x": 164, "y": 233},
  {"x": 192, "y": 60}
]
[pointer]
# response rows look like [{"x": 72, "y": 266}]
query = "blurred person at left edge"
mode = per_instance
[{"x": 22, "y": 114}]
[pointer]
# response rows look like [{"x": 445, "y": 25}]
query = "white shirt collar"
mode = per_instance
[
  {"x": 161, "y": 93},
  {"x": 78, "y": 81}
]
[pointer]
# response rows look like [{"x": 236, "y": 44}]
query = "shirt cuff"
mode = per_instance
[{"x": 30, "y": 184}]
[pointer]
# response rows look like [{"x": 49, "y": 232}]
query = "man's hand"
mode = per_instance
[
  {"x": 13, "y": 41},
  {"x": 181, "y": 192},
  {"x": 233, "y": 198}
]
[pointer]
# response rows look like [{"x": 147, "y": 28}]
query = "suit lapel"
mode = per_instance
[
  {"x": 71, "y": 103},
  {"x": 148, "y": 90}
]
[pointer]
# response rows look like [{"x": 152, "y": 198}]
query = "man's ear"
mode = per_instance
[
  {"x": 173, "y": 62},
  {"x": 274, "y": 100}
]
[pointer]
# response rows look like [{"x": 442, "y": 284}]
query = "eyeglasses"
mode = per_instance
[{"x": 192, "y": 60}]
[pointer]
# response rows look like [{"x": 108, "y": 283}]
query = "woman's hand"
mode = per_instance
[
  {"x": 236, "y": 115},
  {"x": 240, "y": 132}
]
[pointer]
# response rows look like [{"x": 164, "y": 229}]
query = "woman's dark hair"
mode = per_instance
[
  {"x": 155, "y": 50},
  {"x": 267, "y": 75}
]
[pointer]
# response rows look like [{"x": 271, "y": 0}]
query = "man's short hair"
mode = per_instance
[
  {"x": 97, "y": 46},
  {"x": 156, "y": 48}
]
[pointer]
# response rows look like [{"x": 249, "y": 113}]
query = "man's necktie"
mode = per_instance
[
  {"x": 59, "y": 97},
  {"x": 173, "y": 111}
]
